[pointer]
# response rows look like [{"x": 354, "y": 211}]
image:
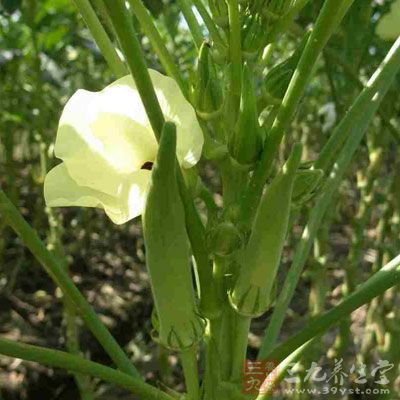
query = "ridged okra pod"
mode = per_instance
[
  {"x": 208, "y": 94},
  {"x": 245, "y": 143},
  {"x": 179, "y": 325},
  {"x": 259, "y": 262}
]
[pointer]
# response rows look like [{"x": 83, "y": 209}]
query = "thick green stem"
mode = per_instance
[
  {"x": 212, "y": 363},
  {"x": 240, "y": 341},
  {"x": 328, "y": 20},
  {"x": 190, "y": 371},
  {"x": 100, "y": 36},
  {"x": 60, "y": 359},
  {"x": 31, "y": 239},
  {"x": 226, "y": 340},
  {"x": 384, "y": 279},
  {"x": 221, "y": 327}
]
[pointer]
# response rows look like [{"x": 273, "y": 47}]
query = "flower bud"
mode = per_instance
[
  {"x": 167, "y": 253},
  {"x": 224, "y": 239},
  {"x": 251, "y": 293},
  {"x": 245, "y": 143}
]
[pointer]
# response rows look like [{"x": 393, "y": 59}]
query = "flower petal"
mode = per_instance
[
  {"x": 99, "y": 142},
  {"x": 176, "y": 109},
  {"x": 60, "y": 190}
]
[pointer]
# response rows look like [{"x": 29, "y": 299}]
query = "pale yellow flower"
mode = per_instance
[
  {"x": 388, "y": 27},
  {"x": 107, "y": 146}
]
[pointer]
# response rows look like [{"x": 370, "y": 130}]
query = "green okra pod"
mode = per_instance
[
  {"x": 208, "y": 94},
  {"x": 224, "y": 239},
  {"x": 179, "y": 325},
  {"x": 259, "y": 262},
  {"x": 245, "y": 142}
]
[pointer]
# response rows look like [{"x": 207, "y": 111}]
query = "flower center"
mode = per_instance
[{"x": 147, "y": 165}]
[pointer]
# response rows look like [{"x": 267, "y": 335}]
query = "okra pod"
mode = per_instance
[
  {"x": 179, "y": 325},
  {"x": 259, "y": 262},
  {"x": 245, "y": 143}
]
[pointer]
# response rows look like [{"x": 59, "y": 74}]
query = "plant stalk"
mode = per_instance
[
  {"x": 100, "y": 36},
  {"x": 190, "y": 371},
  {"x": 157, "y": 42}
]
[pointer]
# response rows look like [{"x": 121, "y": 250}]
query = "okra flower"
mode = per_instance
[{"x": 108, "y": 147}]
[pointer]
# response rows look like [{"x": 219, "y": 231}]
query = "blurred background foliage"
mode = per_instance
[{"x": 46, "y": 54}]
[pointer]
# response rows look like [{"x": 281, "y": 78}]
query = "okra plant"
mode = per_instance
[{"x": 139, "y": 149}]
